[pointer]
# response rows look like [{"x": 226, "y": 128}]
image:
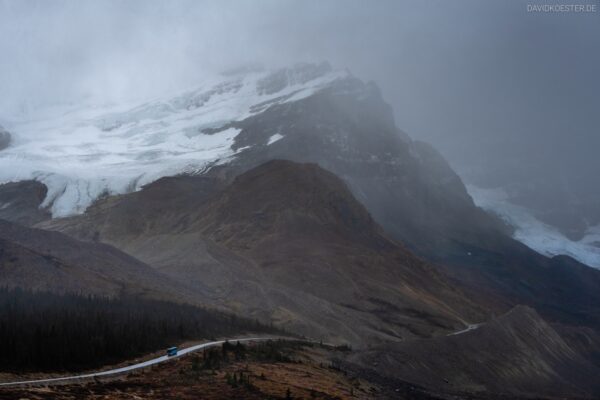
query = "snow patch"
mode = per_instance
[
  {"x": 274, "y": 138},
  {"x": 534, "y": 233}
]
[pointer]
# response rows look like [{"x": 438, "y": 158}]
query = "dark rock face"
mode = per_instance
[
  {"x": 348, "y": 129},
  {"x": 21, "y": 202},
  {"x": 5, "y": 138},
  {"x": 272, "y": 245}
]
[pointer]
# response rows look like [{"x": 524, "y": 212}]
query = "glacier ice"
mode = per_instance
[
  {"x": 83, "y": 153},
  {"x": 534, "y": 233}
]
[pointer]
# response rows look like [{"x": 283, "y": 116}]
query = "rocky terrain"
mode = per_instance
[
  {"x": 412, "y": 192},
  {"x": 20, "y": 202},
  {"x": 516, "y": 354},
  {"x": 272, "y": 244},
  {"x": 51, "y": 261}
]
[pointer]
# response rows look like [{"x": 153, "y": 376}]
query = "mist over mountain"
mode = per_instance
[
  {"x": 411, "y": 185},
  {"x": 508, "y": 96},
  {"x": 304, "y": 113}
]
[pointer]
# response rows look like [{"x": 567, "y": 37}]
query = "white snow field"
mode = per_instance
[
  {"x": 534, "y": 233},
  {"x": 83, "y": 153}
]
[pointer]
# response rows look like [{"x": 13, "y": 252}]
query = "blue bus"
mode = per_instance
[{"x": 171, "y": 351}]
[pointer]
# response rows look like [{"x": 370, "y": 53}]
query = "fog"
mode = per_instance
[{"x": 491, "y": 85}]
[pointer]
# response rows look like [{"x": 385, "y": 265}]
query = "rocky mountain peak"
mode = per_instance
[{"x": 298, "y": 74}]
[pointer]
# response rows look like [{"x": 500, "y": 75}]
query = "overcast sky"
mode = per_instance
[{"x": 476, "y": 78}]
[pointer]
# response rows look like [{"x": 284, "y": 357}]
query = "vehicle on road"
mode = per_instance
[{"x": 172, "y": 351}]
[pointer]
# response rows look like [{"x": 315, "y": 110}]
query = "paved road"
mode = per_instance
[
  {"x": 162, "y": 359},
  {"x": 133, "y": 367},
  {"x": 470, "y": 327}
]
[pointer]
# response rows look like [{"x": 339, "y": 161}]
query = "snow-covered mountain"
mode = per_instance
[
  {"x": 81, "y": 154},
  {"x": 305, "y": 114}
]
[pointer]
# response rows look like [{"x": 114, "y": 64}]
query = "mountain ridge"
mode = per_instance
[
  {"x": 46, "y": 260},
  {"x": 272, "y": 243}
]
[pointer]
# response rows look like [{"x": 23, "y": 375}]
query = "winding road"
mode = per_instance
[
  {"x": 162, "y": 359},
  {"x": 134, "y": 367},
  {"x": 470, "y": 327}
]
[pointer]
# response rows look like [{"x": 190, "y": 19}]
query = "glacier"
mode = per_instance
[
  {"x": 537, "y": 235},
  {"x": 86, "y": 152}
]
